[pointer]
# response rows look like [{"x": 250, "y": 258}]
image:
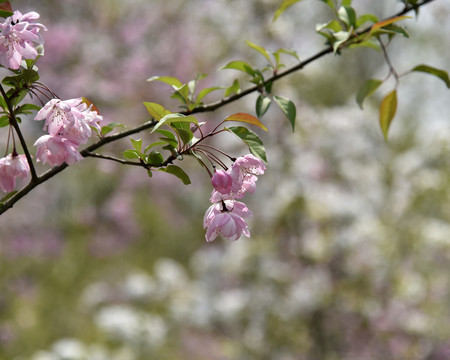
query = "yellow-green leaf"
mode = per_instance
[
  {"x": 383, "y": 23},
  {"x": 443, "y": 75},
  {"x": 156, "y": 110},
  {"x": 259, "y": 49},
  {"x": 388, "y": 108},
  {"x": 246, "y": 118},
  {"x": 284, "y": 5},
  {"x": 170, "y": 80}
]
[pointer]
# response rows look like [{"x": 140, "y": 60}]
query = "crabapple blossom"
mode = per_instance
[
  {"x": 56, "y": 149},
  {"x": 250, "y": 164},
  {"x": 222, "y": 181},
  {"x": 18, "y": 33},
  {"x": 228, "y": 224},
  {"x": 12, "y": 166},
  {"x": 236, "y": 207}
]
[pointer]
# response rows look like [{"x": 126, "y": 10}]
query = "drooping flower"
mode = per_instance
[
  {"x": 55, "y": 150},
  {"x": 18, "y": 34},
  {"x": 236, "y": 207},
  {"x": 11, "y": 167},
  {"x": 222, "y": 181},
  {"x": 65, "y": 118},
  {"x": 228, "y": 224}
]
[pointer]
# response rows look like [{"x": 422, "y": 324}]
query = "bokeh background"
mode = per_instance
[{"x": 350, "y": 250}]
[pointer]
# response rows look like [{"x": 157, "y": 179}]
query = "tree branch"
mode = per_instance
[{"x": 37, "y": 180}]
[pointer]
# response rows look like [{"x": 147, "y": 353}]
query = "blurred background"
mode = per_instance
[{"x": 350, "y": 250}]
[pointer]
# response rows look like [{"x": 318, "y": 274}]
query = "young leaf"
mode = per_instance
[
  {"x": 262, "y": 105},
  {"x": 176, "y": 117},
  {"x": 155, "y": 158},
  {"x": 205, "y": 92},
  {"x": 259, "y": 49},
  {"x": 156, "y": 110},
  {"x": 239, "y": 65},
  {"x": 246, "y": 118},
  {"x": 388, "y": 108},
  {"x": 284, "y": 5},
  {"x": 4, "y": 121},
  {"x": 383, "y": 23},
  {"x": 156, "y": 143},
  {"x": 348, "y": 15},
  {"x": 131, "y": 154},
  {"x": 364, "y": 18},
  {"x": 178, "y": 172},
  {"x": 186, "y": 135},
  {"x": 233, "y": 89},
  {"x": 110, "y": 127},
  {"x": 252, "y": 140},
  {"x": 443, "y": 75},
  {"x": 369, "y": 87},
  {"x": 137, "y": 144},
  {"x": 168, "y": 80},
  {"x": 288, "y": 108}
]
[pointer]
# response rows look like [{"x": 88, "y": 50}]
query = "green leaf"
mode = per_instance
[
  {"x": 252, "y": 140},
  {"x": 178, "y": 172},
  {"x": 27, "y": 109},
  {"x": 156, "y": 111},
  {"x": 388, "y": 108},
  {"x": 131, "y": 154},
  {"x": 289, "y": 52},
  {"x": 330, "y": 3},
  {"x": 288, "y": 108},
  {"x": 392, "y": 28},
  {"x": 233, "y": 89},
  {"x": 441, "y": 74},
  {"x": 205, "y": 92},
  {"x": 259, "y": 49},
  {"x": 110, "y": 127},
  {"x": 284, "y": 5},
  {"x": 4, "y": 121},
  {"x": 167, "y": 133},
  {"x": 246, "y": 118},
  {"x": 369, "y": 87},
  {"x": 137, "y": 144},
  {"x": 365, "y": 18},
  {"x": 340, "y": 38},
  {"x": 181, "y": 93},
  {"x": 156, "y": 143},
  {"x": 168, "y": 80},
  {"x": 5, "y": 14},
  {"x": 239, "y": 65},
  {"x": 186, "y": 135},
  {"x": 176, "y": 117},
  {"x": 348, "y": 15},
  {"x": 155, "y": 158},
  {"x": 262, "y": 105}
]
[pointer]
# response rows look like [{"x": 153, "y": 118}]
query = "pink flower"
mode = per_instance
[
  {"x": 226, "y": 218},
  {"x": 222, "y": 181},
  {"x": 55, "y": 150},
  {"x": 227, "y": 224},
  {"x": 10, "y": 168},
  {"x": 250, "y": 164},
  {"x": 18, "y": 33}
]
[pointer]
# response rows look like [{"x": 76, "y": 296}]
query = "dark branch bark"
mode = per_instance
[{"x": 35, "y": 181}]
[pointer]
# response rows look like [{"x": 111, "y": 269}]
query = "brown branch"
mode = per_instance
[{"x": 206, "y": 108}]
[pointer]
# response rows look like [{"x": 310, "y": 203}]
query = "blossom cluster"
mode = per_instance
[
  {"x": 69, "y": 124},
  {"x": 226, "y": 215},
  {"x": 18, "y": 36}
]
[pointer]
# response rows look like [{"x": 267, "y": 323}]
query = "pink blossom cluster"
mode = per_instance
[
  {"x": 12, "y": 167},
  {"x": 69, "y": 124},
  {"x": 18, "y": 36},
  {"x": 226, "y": 215}
]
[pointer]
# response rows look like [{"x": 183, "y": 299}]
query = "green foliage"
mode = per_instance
[
  {"x": 262, "y": 105},
  {"x": 252, "y": 140},
  {"x": 288, "y": 108},
  {"x": 388, "y": 108},
  {"x": 178, "y": 172},
  {"x": 110, "y": 127},
  {"x": 443, "y": 75},
  {"x": 283, "y": 7}
]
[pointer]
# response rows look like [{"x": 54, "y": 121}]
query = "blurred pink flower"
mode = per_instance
[
  {"x": 55, "y": 150},
  {"x": 11, "y": 167},
  {"x": 18, "y": 33},
  {"x": 250, "y": 164}
]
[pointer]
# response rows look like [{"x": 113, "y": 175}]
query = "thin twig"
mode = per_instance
[{"x": 37, "y": 180}]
